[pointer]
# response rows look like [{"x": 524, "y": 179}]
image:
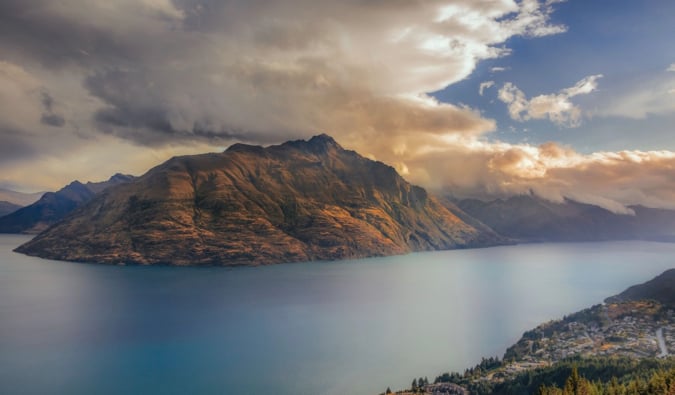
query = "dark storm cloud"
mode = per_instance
[
  {"x": 49, "y": 117},
  {"x": 52, "y": 120},
  {"x": 135, "y": 110},
  {"x": 170, "y": 70},
  {"x": 47, "y": 101},
  {"x": 15, "y": 145},
  {"x": 33, "y": 30}
]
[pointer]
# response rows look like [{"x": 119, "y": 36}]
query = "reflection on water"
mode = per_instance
[{"x": 311, "y": 328}]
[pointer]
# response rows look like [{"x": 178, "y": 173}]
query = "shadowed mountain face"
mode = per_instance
[
  {"x": 8, "y": 208},
  {"x": 299, "y": 201},
  {"x": 661, "y": 289},
  {"x": 529, "y": 218},
  {"x": 53, "y": 206}
]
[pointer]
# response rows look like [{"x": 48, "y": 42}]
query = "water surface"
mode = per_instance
[{"x": 351, "y": 327}]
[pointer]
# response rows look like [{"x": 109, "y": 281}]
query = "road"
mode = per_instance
[{"x": 662, "y": 343}]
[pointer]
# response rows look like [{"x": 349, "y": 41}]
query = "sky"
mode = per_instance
[{"x": 471, "y": 98}]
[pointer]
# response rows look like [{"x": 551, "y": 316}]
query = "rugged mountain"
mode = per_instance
[
  {"x": 53, "y": 206},
  {"x": 661, "y": 289},
  {"x": 19, "y": 198},
  {"x": 8, "y": 208},
  {"x": 530, "y": 218},
  {"x": 298, "y": 201}
]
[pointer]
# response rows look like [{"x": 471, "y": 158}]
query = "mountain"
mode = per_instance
[
  {"x": 530, "y": 218},
  {"x": 298, "y": 201},
  {"x": 19, "y": 198},
  {"x": 53, "y": 206},
  {"x": 8, "y": 208},
  {"x": 661, "y": 289}
]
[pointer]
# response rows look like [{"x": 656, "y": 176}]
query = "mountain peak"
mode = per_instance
[
  {"x": 119, "y": 177},
  {"x": 319, "y": 144},
  {"x": 323, "y": 139},
  {"x": 241, "y": 147}
]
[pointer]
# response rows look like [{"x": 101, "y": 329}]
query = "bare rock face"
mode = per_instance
[{"x": 298, "y": 201}]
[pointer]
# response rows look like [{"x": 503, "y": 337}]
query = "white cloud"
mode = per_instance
[
  {"x": 484, "y": 85},
  {"x": 638, "y": 99},
  {"x": 497, "y": 69},
  {"x": 671, "y": 67},
  {"x": 557, "y": 107}
]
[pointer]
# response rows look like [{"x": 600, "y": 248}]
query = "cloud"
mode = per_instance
[
  {"x": 24, "y": 101},
  {"x": 86, "y": 83},
  {"x": 482, "y": 169},
  {"x": 161, "y": 72},
  {"x": 556, "y": 107},
  {"x": 671, "y": 67},
  {"x": 484, "y": 85},
  {"x": 497, "y": 69},
  {"x": 639, "y": 98}
]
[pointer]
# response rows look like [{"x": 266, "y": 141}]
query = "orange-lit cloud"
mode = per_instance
[{"x": 557, "y": 107}]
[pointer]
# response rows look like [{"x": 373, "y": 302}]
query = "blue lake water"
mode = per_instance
[{"x": 350, "y": 327}]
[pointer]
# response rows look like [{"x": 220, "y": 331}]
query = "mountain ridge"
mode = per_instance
[
  {"x": 249, "y": 205},
  {"x": 529, "y": 218},
  {"x": 53, "y": 206},
  {"x": 661, "y": 289}
]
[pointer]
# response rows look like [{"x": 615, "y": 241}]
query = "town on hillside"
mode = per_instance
[{"x": 627, "y": 327}]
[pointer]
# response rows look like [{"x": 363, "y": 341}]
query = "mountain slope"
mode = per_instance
[
  {"x": 53, "y": 206},
  {"x": 8, "y": 208},
  {"x": 661, "y": 289},
  {"x": 529, "y": 218},
  {"x": 299, "y": 201}
]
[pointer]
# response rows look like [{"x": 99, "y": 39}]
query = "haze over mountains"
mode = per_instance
[{"x": 19, "y": 198}]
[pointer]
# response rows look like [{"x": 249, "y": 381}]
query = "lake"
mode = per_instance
[{"x": 349, "y": 327}]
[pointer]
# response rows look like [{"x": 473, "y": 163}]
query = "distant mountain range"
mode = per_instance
[
  {"x": 19, "y": 198},
  {"x": 298, "y": 201},
  {"x": 53, "y": 206},
  {"x": 528, "y": 218}
]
